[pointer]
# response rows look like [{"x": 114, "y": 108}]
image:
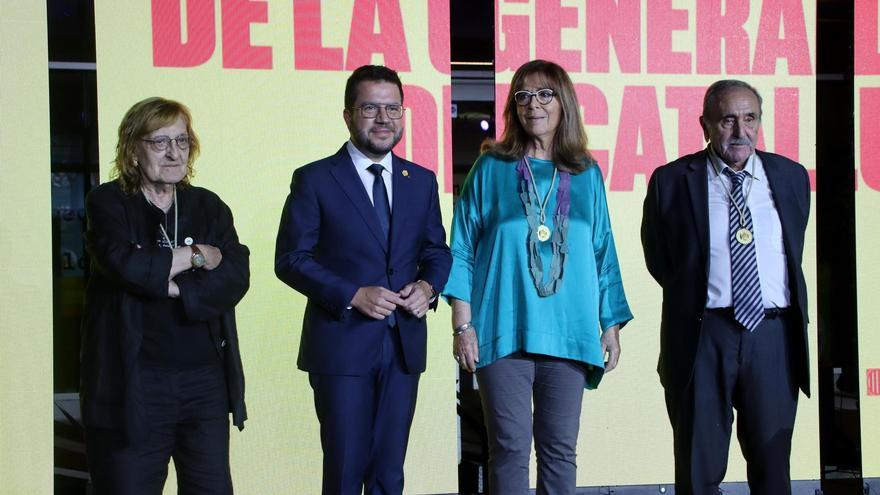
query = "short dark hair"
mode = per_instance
[
  {"x": 369, "y": 73},
  {"x": 718, "y": 88}
]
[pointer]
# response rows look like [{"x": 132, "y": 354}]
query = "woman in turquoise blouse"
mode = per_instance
[{"x": 535, "y": 286}]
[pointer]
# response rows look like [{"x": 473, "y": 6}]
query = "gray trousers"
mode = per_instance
[{"x": 507, "y": 389}]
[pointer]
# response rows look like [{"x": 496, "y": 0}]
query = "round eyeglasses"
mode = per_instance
[
  {"x": 162, "y": 143},
  {"x": 371, "y": 110},
  {"x": 523, "y": 98}
]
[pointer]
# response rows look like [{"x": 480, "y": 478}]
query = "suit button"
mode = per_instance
[
  {"x": 223, "y": 343},
  {"x": 390, "y": 271}
]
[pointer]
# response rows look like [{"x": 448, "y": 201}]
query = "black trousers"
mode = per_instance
[
  {"x": 752, "y": 372},
  {"x": 187, "y": 412}
]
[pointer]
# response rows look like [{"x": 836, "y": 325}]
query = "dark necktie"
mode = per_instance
[
  {"x": 380, "y": 199},
  {"x": 383, "y": 212},
  {"x": 748, "y": 305}
]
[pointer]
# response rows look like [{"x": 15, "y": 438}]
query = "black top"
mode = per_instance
[
  {"x": 129, "y": 272},
  {"x": 171, "y": 340}
]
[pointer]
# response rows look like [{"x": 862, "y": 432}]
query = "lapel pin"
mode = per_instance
[
  {"x": 188, "y": 241},
  {"x": 405, "y": 173}
]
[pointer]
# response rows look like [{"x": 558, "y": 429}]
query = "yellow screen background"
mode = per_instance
[
  {"x": 257, "y": 126},
  {"x": 868, "y": 272},
  {"x": 26, "y": 250},
  {"x": 867, "y": 201}
]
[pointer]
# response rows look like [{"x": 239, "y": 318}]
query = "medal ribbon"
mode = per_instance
[
  {"x": 534, "y": 210},
  {"x": 748, "y": 305}
]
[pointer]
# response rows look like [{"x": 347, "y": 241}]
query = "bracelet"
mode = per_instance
[{"x": 462, "y": 329}]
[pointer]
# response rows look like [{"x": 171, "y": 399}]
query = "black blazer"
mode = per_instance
[
  {"x": 675, "y": 239},
  {"x": 330, "y": 243},
  {"x": 126, "y": 269}
]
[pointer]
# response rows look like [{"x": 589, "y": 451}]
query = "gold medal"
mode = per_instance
[
  {"x": 744, "y": 236},
  {"x": 543, "y": 232}
]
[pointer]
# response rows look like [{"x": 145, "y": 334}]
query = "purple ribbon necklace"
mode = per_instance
[{"x": 539, "y": 232}]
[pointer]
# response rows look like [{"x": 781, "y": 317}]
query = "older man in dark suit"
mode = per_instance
[
  {"x": 361, "y": 237},
  {"x": 723, "y": 234}
]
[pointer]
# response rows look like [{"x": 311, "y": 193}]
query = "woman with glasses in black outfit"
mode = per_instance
[{"x": 161, "y": 369}]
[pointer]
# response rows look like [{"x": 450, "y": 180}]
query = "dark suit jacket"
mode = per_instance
[
  {"x": 675, "y": 238},
  {"x": 127, "y": 269},
  {"x": 330, "y": 244}
]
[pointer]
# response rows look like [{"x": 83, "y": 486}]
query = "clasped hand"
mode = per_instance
[{"x": 378, "y": 302}]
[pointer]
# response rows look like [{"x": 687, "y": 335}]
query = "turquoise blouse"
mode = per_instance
[{"x": 490, "y": 267}]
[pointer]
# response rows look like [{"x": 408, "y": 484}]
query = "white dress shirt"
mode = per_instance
[
  {"x": 362, "y": 165},
  {"x": 769, "y": 247}
]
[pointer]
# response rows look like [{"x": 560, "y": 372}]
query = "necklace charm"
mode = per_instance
[
  {"x": 744, "y": 236},
  {"x": 171, "y": 245},
  {"x": 539, "y": 232},
  {"x": 543, "y": 233}
]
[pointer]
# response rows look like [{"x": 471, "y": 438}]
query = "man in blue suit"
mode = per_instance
[
  {"x": 723, "y": 234},
  {"x": 362, "y": 238}
]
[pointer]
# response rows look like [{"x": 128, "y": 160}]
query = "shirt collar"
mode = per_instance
[
  {"x": 753, "y": 166},
  {"x": 363, "y": 162}
]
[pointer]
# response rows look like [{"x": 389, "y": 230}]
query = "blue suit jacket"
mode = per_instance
[
  {"x": 675, "y": 238},
  {"x": 330, "y": 244}
]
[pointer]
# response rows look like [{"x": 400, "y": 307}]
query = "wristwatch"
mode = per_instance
[{"x": 197, "y": 259}]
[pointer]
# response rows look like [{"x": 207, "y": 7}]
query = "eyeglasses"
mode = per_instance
[
  {"x": 523, "y": 98},
  {"x": 162, "y": 143},
  {"x": 371, "y": 110}
]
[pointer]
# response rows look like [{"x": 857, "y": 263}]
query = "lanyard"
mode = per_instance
[
  {"x": 718, "y": 167},
  {"x": 173, "y": 245}
]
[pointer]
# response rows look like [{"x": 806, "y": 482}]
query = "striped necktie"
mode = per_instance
[{"x": 748, "y": 305}]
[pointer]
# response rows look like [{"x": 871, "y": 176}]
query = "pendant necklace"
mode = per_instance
[
  {"x": 743, "y": 235},
  {"x": 543, "y": 231},
  {"x": 539, "y": 232},
  {"x": 172, "y": 245}
]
